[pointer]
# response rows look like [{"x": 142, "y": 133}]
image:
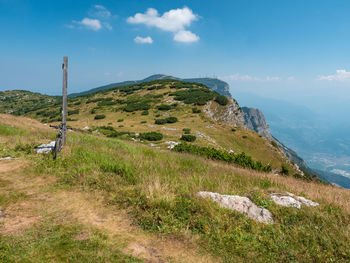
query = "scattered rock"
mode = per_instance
[
  {"x": 45, "y": 148},
  {"x": 172, "y": 144},
  {"x": 7, "y": 158},
  {"x": 86, "y": 128},
  {"x": 169, "y": 129},
  {"x": 240, "y": 204},
  {"x": 201, "y": 135},
  {"x": 291, "y": 200},
  {"x": 285, "y": 200}
]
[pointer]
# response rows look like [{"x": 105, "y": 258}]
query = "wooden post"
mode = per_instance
[{"x": 64, "y": 99}]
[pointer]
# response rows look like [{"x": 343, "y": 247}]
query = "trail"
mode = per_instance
[{"x": 41, "y": 198}]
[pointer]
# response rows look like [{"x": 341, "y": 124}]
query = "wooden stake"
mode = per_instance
[{"x": 64, "y": 99}]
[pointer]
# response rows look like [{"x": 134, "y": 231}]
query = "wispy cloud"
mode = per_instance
[
  {"x": 340, "y": 75},
  {"x": 100, "y": 11},
  {"x": 238, "y": 77},
  {"x": 89, "y": 23},
  {"x": 97, "y": 20},
  {"x": 174, "y": 20},
  {"x": 143, "y": 40}
]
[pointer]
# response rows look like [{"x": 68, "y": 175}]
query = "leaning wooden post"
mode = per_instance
[{"x": 64, "y": 99}]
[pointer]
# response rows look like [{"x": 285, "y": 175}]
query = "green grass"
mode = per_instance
[
  {"x": 6, "y": 130},
  {"x": 54, "y": 242},
  {"x": 159, "y": 189}
]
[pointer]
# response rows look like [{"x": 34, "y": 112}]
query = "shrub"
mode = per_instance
[
  {"x": 244, "y": 136},
  {"x": 197, "y": 96},
  {"x": 186, "y": 130},
  {"x": 93, "y": 111},
  {"x": 274, "y": 144},
  {"x": 284, "y": 169},
  {"x": 233, "y": 129},
  {"x": 135, "y": 106},
  {"x": 171, "y": 119},
  {"x": 240, "y": 159},
  {"x": 195, "y": 110},
  {"x": 120, "y": 120},
  {"x": 71, "y": 112},
  {"x": 158, "y": 115},
  {"x": 164, "y": 107},
  {"x": 100, "y": 116},
  {"x": 151, "y": 136},
  {"x": 166, "y": 120},
  {"x": 188, "y": 138},
  {"x": 142, "y": 122},
  {"x": 222, "y": 100},
  {"x": 145, "y": 112},
  {"x": 160, "y": 121}
]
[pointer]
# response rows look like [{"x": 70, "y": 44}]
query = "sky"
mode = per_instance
[{"x": 289, "y": 50}]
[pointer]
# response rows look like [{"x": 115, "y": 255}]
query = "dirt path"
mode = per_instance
[{"x": 39, "y": 199}]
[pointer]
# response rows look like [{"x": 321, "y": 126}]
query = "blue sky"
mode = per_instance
[{"x": 293, "y": 50}]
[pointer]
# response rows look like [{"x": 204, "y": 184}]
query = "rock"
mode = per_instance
[
  {"x": 291, "y": 200},
  {"x": 240, "y": 204},
  {"x": 7, "y": 158},
  {"x": 303, "y": 200},
  {"x": 285, "y": 200},
  {"x": 86, "y": 128},
  {"x": 172, "y": 144},
  {"x": 45, "y": 148},
  {"x": 169, "y": 129}
]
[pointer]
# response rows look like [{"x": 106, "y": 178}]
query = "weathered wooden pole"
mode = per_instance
[{"x": 64, "y": 99}]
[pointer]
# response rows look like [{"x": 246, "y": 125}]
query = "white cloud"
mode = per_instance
[
  {"x": 100, "y": 11},
  {"x": 175, "y": 20},
  {"x": 238, "y": 77},
  {"x": 340, "y": 75},
  {"x": 186, "y": 36},
  {"x": 143, "y": 40},
  {"x": 108, "y": 26},
  {"x": 91, "y": 24}
]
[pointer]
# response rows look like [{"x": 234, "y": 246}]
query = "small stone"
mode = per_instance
[
  {"x": 45, "y": 148},
  {"x": 285, "y": 200}
]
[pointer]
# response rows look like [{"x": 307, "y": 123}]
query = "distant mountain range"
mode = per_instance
[{"x": 214, "y": 84}]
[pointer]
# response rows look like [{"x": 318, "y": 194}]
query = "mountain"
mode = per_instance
[{"x": 214, "y": 84}]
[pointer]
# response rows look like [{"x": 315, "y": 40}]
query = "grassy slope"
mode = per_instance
[
  {"x": 158, "y": 188},
  {"x": 220, "y": 134}
]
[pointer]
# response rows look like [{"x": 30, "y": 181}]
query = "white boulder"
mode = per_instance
[
  {"x": 291, "y": 200},
  {"x": 45, "y": 148},
  {"x": 240, "y": 204}
]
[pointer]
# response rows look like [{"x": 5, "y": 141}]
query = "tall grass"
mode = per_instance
[{"x": 159, "y": 189}]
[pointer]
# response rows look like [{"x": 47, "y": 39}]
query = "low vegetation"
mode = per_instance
[
  {"x": 158, "y": 190},
  {"x": 151, "y": 136},
  {"x": 188, "y": 138}
]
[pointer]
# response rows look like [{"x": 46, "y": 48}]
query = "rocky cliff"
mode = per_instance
[{"x": 255, "y": 120}]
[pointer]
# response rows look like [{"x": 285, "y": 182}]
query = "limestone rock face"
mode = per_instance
[
  {"x": 230, "y": 114},
  {"x": 255, "y": 121},
  {"x": 291, "y": 200},
  {"x": 240, "y": 204}
]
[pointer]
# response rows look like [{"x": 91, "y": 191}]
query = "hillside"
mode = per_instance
[
  {"x": 169, "y": 107},
  {"x": 111, "y": 200},
  {"x": 214, "y": 84}
]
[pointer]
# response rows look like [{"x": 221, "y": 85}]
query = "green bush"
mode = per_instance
[
  {"x": 274, "y": 144},
  {"x": 151, "y": 136},
  {"x": 71, "y": 112},
  {"x": 137, "y": 106},
  {"x": 233, "y": 129},
  {"x": 100, "y": 116},
  {"x": 197, "y": 96},
  {"x": 145, "y": 112},
  {"x": 120, "y": 120},
  {"x": 284, "y": 169},
  {"x": 186, "y": 130},
  {"x": 240, "y": 159},
  {"x": 164, "y": 107},
  {"x": 171, "y": 120},
  {"x": 244, "y": 136},
  {"x": 188, "y": 138},
  {"x": 93, "y": 111},
  {"x": 166, "y": 120},
  {"x": 195, "y": 110},
  {"x": 222, "y": 100},
  {"x": 160, "y": 121}
]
